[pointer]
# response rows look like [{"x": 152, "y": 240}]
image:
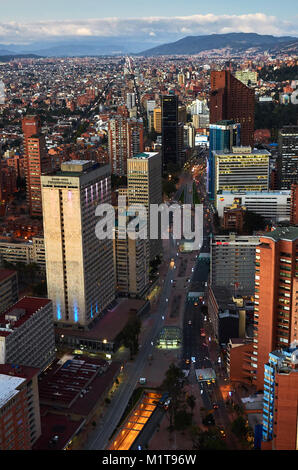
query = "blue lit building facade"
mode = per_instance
[{"x": 222, "y": 137}]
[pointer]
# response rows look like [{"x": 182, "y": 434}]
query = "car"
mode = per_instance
[
  {"x": 187, "y": 361},
  {"x": 189, "y": 322},
  {"x": 223, "y": 434},
  {"x": 215, "y": 406}
]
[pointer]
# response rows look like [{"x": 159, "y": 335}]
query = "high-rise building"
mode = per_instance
[
  {"x": 243, "y": 169},
  {"x": 144, "y": 187},
  {"x": 126, "y": 138},
  {"x": 27, "y": 333},
  {"x": 131, "y": 261},
  {"x": 80, "y": 270},
  {"x": 288, "y": 156},
  {"x": 233, "y": 263},
  {"x": 37, "y": 162},
  {"x": 223, "y": 136},
  {"x": 19, "y": 407},
  {"x": 280, "y": 402},
  {"x": 231, "y": 99},
  {"x": 169, "y": 113},
  {"x": 157, "y": 120},
  {"x": 130, "y": 100},
  {"x": 276, "y": 296}
]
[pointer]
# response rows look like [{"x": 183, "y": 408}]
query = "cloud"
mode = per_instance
[{"x": 157, "y": 27}]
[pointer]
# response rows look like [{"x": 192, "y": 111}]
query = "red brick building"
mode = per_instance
[
  {"x": 276, "y": 296},
  {"x": 231, "y": 99},
  {"x": 37, "y": 162},
  {"x": 19, "y": 407}
]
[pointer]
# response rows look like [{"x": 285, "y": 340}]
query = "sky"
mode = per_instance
[{"x": 24, "y": 21}]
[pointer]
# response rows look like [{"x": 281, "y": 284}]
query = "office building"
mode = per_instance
[
  {"x": 233, "y": 218},
  {"x": 288, "y": 156},
  {"x": 223, "y": 136},
  {"x": 233, "y": 263},
  {"x": 126, "y": 138},
  {"x": 130, "y": 100},
  {"x": 80, "y": 272},
  {"x": 37, "y": 162},
  {"x": 238, "y": 360},
  {"x": 8, "y": 288},
  {"x": 231, "y": 99},
  {"x": 242, "y": 169},
  {"x": 274, "y": 206},
  {"x": 280, "y": 402},
  {"x": 276, "y": 296},
  {"x": 131, "y": 262},
  {"x": 144, "y": 187},
  {"x": 294, "y": 204},
  {"x": 169, "y": 113},
  {"x": 19, "y": 407},
  {"x": 27, "y": 333},
  {"x": 157, "y": 120}
]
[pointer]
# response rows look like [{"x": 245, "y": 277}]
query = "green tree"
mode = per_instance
[
  {"x": 239, "y": 427},
  {"x": 173, "y": 385},
  {"x": 207, "y": 440}
]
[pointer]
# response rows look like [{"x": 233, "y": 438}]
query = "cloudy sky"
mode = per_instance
[{"x": 24, "y": 21}]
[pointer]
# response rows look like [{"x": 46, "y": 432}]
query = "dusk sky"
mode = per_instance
[{"x": 31, "y": 20}]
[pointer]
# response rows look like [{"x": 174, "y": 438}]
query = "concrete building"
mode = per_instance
[
  {"x": 27, "y": 252},
  {"x": 274, "y": 206},
  {"x": 19, "y": 407},
  {"x": 8, "y": 288},
  {"x": 243, "y": 169},
  {"x": 144, "y": 187},
  {"x": 126, "y": 139},
  {"x": 276, "y": 296},
  {"x": 280, "y": 403},
  {"x": 157, "y": 120},
  {"x": 233, "y": 263},
  {"x": 131, "y": 263},
  {"x": 80, "y": 271},
  {"x": 27, "y": 333}
]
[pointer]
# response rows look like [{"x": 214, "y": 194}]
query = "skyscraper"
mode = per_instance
[
  {"x": 144, "y": 187},
  {"x": 37, "y": 162},
  {"x": 126, "y": 138},
  {"x": 276, "y": 296},
  {"x": 80, "y": 271},
  {"x": 169, "y": 113},
  {"x": 231, "y": 99},
  {"x": 288, "y": 156},
  {"x": 222, "y": 137}
]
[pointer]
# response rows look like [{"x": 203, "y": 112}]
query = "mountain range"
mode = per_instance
[{"x": 232, "y": 43}]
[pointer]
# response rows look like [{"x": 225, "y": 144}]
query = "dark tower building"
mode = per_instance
[
  {"x": 169, "y": 114},
  {"x": 288, "y": 156},
  {"x": 231, "y": 99}
]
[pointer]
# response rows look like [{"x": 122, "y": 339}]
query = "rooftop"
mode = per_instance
[
  {"x": 11, "y": 377},
  {"x": 283, "y": 233},
  {"x": 144, "y": 155},
  {"x": 28, "y": 306}
]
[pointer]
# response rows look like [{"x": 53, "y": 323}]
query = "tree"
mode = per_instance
[
  {"x": 252, "y": 222},
  {"x": 182, "y": 419},
  {"x": 239, "y": 427},
  {"x": 209, "y": 420},
  {"x": 130, "y": 335},
  {"x": 173, "y": 384},
  {"x": 207, "y": 440},
  {"x": 191, "y": 401}
]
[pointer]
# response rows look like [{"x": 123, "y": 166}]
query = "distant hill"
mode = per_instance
[
  {"x": 8, "y": 57},
  {"x": 233, "y": 42}
]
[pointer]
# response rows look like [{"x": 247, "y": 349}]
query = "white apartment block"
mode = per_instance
[{"x": 27, "y": 333}]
